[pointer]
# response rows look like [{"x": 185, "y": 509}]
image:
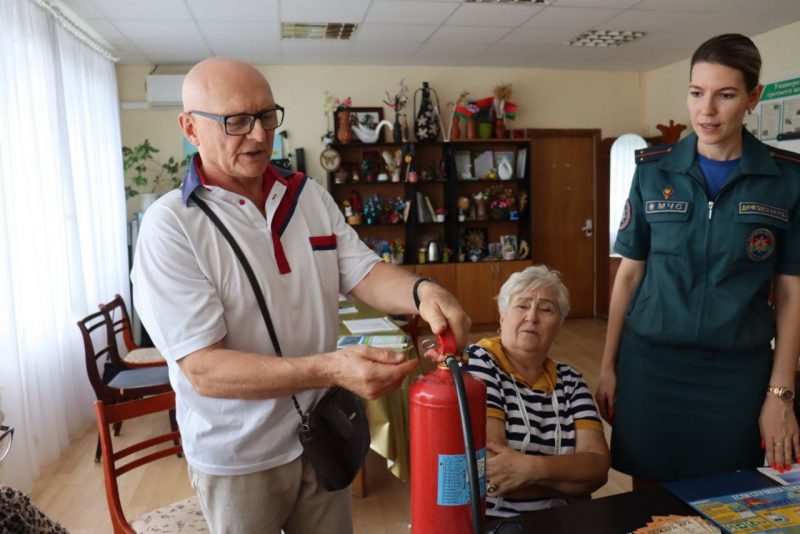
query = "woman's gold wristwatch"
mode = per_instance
[{"x": 785, "y": 394}]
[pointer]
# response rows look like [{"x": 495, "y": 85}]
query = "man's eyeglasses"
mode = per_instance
[
  {"x": 6, "y": 436},
  {"x": 243, "y": 123}
]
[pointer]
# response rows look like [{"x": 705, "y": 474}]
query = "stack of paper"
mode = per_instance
[
  {"x": 366, "y": 326},
  {"x": 677, "y": 524}
]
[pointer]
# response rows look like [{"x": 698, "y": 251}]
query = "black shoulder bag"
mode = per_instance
[{"x": 335, "y": 432}]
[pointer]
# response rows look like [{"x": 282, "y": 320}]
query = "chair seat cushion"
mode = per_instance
[
  {"x": 146, "y": 355},
  {"x": 184, "y": 516},
  {"x": 147, "y": 376}
]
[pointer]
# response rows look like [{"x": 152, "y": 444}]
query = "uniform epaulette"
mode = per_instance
[
  {"x": 652, "y": 153},
  {"x": 785, "y": 156}
]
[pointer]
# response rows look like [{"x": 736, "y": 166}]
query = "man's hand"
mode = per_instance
[
  {"x": 370, "y": 372},
  {"x": 440, "y": 309}
]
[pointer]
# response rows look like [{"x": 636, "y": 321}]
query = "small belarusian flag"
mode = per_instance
[
  {"x": 462, "y": 111},
  {"x": 510, "y": 110},
  {"x": 484, "y": 102}
]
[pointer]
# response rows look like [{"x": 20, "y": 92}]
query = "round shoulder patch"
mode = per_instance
[
  {"x": 626, "y": 216},
  {"x": 760, "y": 244}
]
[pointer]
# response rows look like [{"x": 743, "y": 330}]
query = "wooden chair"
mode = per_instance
[
  {"x": 130, "y": 382},
  {"x": 183, "y": 516},
  {"x": 135, "y": 356}
]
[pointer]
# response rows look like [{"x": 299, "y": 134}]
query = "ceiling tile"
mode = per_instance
[
  {"x": 448, "y": 54},
  {"x": 247, "y": 47},
  {"x": 409, "y": 12},
  {"x": 156, "y": 29},
  {"x": 468, "y": 34},
  {"x": 323, "y": 10},
  {"x": 646, "y": 21},
  {"x": 166, "y": 58},
  {"x": 492, "y": 15},
  {"x": 263, "y": 31},
  {"x": 576, "y": 18},
  {"x": 682, "y": 5},
  {"x": 245, "y": 10},
  {"x": 124, "y": 45},
  {"x": 144, "y": 9},
  {"x": 415, "y": 33},
  {"x": 366, "y": 53},
  {"x": 611, "y": 4},
  {"x": 133, "y": 58},
  {"x": 763, "y": 6},
  {"x": 538, "y": 36},
  {"x": 105, "y": 28},
  {"x": 314, "y": 52},
  {"x": 173, "y": 47},
  {"x": 510, "y": 55}
]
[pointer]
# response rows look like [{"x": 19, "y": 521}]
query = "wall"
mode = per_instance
[
  {"x": 611, "y": 101},
  {"x": 665, "y": 88}
]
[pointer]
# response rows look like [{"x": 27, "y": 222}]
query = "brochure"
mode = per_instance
[
  {"x": 366, "y": 326},
  {"x": 383, "y": 342},
  {"x": 791, "y": 476},
  {"x": 769, "y": 510}
]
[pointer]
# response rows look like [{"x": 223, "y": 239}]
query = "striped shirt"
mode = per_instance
[{"x": 576, "y": 409}]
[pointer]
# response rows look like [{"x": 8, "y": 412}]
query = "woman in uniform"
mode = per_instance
[{"x": 689, "y": 379}]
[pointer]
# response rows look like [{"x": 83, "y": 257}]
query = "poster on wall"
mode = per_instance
[{"x": 779, "y": 110}]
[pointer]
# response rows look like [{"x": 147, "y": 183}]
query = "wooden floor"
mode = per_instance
[{"x": 71, "y": 490}]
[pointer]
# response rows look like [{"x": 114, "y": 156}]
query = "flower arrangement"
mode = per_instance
[
  {"x": 397, "y": 249},
  {"x": 501, "y": 106},
  {"x": 398, "y": 101},
  {"x": 379, "y": 210},
  {"x": 502, "y": 201},
  {"x": 331, "y": 105}
]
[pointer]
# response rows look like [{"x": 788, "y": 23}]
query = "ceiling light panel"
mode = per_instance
[
  {"x": 605, "y": 38},
  {"x": 322, "y": 30}
]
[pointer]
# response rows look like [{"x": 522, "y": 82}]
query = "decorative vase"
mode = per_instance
[
  {"x": 397, "y": 132},
  {"x": 343, "y": 132},
  {"x": 480, "y": 209},
  {"x": 426, "y": 123},
  {"x": 472, "y": 128},
  {"x": 499, "y": 128},
  {"x": 455, "y": 128},
  {"x": 484, "y": 130},
  {"x": 504, "y": 170}
]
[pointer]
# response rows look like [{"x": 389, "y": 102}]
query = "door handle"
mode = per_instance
[{"x": 588, "y": 228}]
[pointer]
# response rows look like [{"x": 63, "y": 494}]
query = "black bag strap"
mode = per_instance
[{"x": 262, "y": 303}]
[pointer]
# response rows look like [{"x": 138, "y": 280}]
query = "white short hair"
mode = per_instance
[{"x": 534, "y": 277}]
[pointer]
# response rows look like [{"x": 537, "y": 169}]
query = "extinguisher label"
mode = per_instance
[{"x": 453, "y": 485}]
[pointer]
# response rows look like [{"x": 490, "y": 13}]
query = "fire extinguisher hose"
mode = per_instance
[{"x": 469, "y": 446}]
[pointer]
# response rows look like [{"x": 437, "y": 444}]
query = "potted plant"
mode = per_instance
[{"x": 145, "y": 175}]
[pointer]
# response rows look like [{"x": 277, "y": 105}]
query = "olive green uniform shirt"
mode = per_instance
[{"x": 710, "y": 262}]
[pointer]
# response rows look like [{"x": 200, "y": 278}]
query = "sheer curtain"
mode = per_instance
[
  {"x": 62, "y": 227},
  {"x": 623, "y": 166}
]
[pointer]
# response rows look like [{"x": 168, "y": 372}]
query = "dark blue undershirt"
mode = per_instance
[{"x": 716, "y": 173}]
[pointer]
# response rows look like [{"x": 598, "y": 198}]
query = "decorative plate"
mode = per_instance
[{"x": 330, "y": 159}]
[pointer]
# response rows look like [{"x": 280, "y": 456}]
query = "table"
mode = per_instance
[
  {"x": 617, "y": 514},
  {"x": 388, "y": 415},
  {"x": 626, "y": 512}
]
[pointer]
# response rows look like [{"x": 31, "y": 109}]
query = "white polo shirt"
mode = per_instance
[{"x": 191, "y": 292}]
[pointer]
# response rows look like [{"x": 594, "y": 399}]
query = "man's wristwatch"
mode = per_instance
[{"x": 785, "y": 394}]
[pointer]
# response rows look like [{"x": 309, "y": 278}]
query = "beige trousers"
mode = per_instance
[{"x": 284, "y": 498}]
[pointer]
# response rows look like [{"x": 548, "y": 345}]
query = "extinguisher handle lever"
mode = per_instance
[{"x": 447, "y": 343}]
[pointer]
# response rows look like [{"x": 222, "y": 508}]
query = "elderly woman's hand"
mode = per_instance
[
  {"x": 506, "y": 469},
  {"x": 779, "y": 433}
]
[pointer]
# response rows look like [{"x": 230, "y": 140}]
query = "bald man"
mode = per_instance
[{"x": 237, "y": 419}]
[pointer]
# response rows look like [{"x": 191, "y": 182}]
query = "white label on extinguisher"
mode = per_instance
[{"x": 453, "y": 482}]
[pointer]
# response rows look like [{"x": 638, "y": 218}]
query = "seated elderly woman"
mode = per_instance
[
  {"x": 545, "y": 439},
  {"x": 17, "y": 512}
]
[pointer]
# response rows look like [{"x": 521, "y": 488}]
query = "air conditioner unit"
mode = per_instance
[{"x": 164, "y": 89}]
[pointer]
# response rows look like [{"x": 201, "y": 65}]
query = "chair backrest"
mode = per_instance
[
  {"x": 87, "y": 326},
  {"x": 123, "y": 323},
  {"x": 116, "y": 463}
]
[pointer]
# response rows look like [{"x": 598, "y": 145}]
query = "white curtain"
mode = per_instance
[
  {"x": 63, "y": 243},
  {"x": 623, "y": 166}
]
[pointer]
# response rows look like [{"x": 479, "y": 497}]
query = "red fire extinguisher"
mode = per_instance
[{"x": 441, "y": 487}]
